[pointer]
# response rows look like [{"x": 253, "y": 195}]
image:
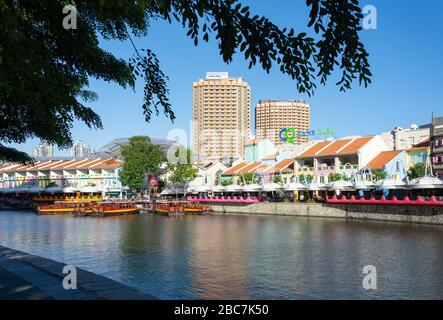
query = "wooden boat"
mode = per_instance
[
  {"x": 179, "y": 209},
  {"x": 169, "y": 209},
  {"x": 101, "y": 209},
  {"x": 60, "y": 207},
  {"x": 193, "y": 208}
]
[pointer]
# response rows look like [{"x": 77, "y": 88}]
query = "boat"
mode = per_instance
[
  {"x": 193, "y": 208},
  {"x": 169, "y": 209},
  {"x": 60, "y": 207},
  {"x": 100, "y": 209},
  {"x": 180, "y": 209}
]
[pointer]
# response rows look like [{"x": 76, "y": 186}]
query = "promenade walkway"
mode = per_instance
[{"x": 28, "y": 277}]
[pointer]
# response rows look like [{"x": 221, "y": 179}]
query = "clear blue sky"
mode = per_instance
[{"x": 406, "y": 55}]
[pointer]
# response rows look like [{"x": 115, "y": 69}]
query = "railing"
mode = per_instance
[
  {"x": 325, "y": 168},
  {"x": 383, "y": 201},
  {"x": 348, "y": 167},
  {"x": 305, "y": 169},
  {"x": 220, "y": 199}
]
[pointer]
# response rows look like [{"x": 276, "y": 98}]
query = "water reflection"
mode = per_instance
[{"x": 240, "y": 257}]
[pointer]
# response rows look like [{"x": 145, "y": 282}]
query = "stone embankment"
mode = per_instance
[{"x": 394, "y": 213}]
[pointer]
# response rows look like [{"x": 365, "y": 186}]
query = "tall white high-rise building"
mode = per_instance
[
  {"x": 80, "y": 149},
  {"x": 221, "y": 117},
  {"x": 43, "y": 149}
]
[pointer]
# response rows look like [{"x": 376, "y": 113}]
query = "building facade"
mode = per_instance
[
  {"x": 436, "y": 144},
  {"x": 220, "y": 117},
  {"x": 392, "y": 162},
  {"x": 98, "y": 172},
  {"x": 402, "y": 139},
  {"x": 418, "y": 153},
  {"x": 43, "y": 150},
  {"x": 80, "y": 149},
  {"x": 272, "y": 116}
]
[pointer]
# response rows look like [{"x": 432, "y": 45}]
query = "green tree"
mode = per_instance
[
  {"x": 182, "y": 172},
  {"x": 334, "y": 177},
  {"x": 45, "y": 68},
  {"x": 418, "y": 170},
  {"x": 277, "y": 179},
  {"x": 379, "y": 174},
  {"x": 306, "y": 178},
  {"x": 227, "y": 182},
  {"x": 218, "y": 177},
  {"x": 141, "y": 157},
  {"x": 248, "y": 178}
]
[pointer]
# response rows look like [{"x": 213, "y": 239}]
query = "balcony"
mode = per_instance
[
  {"x": 325, "y": 170},
  {"x": 305, "y": 170},
  {"x": 348, "y": 167}
]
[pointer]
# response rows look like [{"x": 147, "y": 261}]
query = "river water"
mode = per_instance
[{"x": 240, "y": 257}]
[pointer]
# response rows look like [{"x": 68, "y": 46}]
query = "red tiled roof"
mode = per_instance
[
  {"x": 233, "y": 169},
  {"x": 261, "y": 168},
  {"x": 333, "y": 148},
  {"x": 97, "y": 163},
  {"x": 281, "y": 166},
  {"x": 355, "y": 145},
  {"x": 314, "y": 149},
  {"x": 248, "y": 168},
  {"x": 382, "y": 159}
]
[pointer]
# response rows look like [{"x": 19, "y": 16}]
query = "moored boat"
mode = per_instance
[
  {"x": 89, "y": 208},
  {"x": 179, "y": 209}
]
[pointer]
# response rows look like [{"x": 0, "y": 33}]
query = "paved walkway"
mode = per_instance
[{"x": 27, "y": 277}]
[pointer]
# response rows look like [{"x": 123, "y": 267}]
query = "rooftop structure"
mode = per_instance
[{"x": 113, "y": 149}]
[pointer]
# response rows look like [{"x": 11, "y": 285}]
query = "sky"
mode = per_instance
[{"x": 405, "y": 50}]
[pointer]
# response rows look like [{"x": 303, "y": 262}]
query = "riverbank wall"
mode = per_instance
[
  {"x": 28, "y": 277},
  {"x": 394, "y": 213}
]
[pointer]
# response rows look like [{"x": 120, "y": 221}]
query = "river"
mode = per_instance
[{"x": 240, "y": 257}]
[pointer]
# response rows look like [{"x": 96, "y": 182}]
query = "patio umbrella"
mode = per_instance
[
  {"x": 70, "y": 190},
  {"x": 88, "y": 189},
  {"x": 218, "y": 189},
  {"x": 317, "y": 186},
  {"x": 233, "y": 188},
  {"x": 295, "y": 186},
  {"x": 268, "y": 187},
  {"x": 390, "y": 184},
  {"x": 252, "y": 187},
  {"x": 341, "y": 185},
  {"x": 426, "y": 183},
  {"x": 364, "y": 184},
  {"x": 203, "y": 188}
]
